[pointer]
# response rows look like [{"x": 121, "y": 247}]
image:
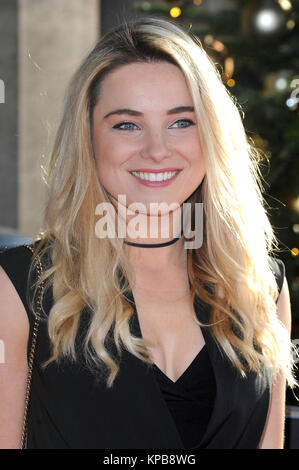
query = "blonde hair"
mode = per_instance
[{"x": 234, "y": 259}]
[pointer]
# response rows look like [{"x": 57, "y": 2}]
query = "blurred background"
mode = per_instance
[{"x": 255, "y": 46}]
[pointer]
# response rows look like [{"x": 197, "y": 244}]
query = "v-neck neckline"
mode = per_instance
[
  {"x": 185, "y": 372},
  {"x": 202, "y": 313},
  {"x": 137, "y": 331}
]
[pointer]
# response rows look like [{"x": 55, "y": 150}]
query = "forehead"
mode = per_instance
[{"x": 145, "y": 82}]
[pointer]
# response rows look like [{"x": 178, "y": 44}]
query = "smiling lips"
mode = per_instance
[{"x": 156, "y": 178}]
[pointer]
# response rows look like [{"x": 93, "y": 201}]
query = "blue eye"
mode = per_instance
[
  {"x": 189, "y": 123},
  {"x": 129, "y": 126},
  {"x": 121, "y": 124}
]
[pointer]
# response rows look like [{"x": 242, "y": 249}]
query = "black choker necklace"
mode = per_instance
[{"x": 154, "y": 245}]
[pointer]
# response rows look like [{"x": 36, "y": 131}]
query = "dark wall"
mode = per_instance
[
  {"x": 114, "y": 12},
  {"x": 8, "y": 114}
]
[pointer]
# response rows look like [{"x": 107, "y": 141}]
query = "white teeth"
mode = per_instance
[{"x": 155, "y": 176}]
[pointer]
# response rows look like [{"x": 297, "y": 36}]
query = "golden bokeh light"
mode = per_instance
[
  {"x": 218, "y": 45},
  {"x": 290, "y": 24},
  {"x": 285, "y": 4},
  {"x": 294, "y": 252},
  {"x": 230, "y": 82},
  {"x": 229, "y": 67},
  {"x": 175, "y": 12}
]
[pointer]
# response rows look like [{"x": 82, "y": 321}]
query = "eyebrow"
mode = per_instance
[{"x": 132, "y": 112}]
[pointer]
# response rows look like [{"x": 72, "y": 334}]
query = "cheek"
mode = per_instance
[
  {"x": 193, "y": 153},
  {"x": 111, "y": 158},
  {"x": 112, "y": 149},
  {"x": 191, "y": 149}
]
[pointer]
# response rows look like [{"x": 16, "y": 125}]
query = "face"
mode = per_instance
[{"x": 144, "y": 129}]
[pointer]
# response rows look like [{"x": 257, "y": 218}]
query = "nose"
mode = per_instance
[{"x": 155, "y": 147}]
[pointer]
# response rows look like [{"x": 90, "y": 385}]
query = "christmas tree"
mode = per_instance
[{"x": 255, "y": 46}]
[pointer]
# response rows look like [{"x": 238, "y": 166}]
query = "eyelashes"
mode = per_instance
[{"x": 128, "y": 123}]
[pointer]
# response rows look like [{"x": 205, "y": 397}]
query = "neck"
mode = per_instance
[
  {"x": 154, "y": 245},
  {"x": 161, "y": 251},
  {"x": 157, "y": 258}
]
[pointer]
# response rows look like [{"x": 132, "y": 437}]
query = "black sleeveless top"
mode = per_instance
[
  {"x": 190, "y": 398},
  {"x": 144, "y": 409}
]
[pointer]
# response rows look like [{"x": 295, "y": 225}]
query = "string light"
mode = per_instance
[
  {"x": 281, "y": 83},
  {"x": 290, "y": 24},
  {"x": 295, "y": 204},
  {"x": 230, "y": 82},
  {"x": 291, "y": 103},
  {"x": 208, "y": 39},
  {"x": 267, "y": 20},
  {"x": 229, "y": 67},
  {"x": 285, "y": 4},
  {"x": 294, "y": 252},
  {"x": 218, "y": 45},
  {"x": 197, "y": 2},
  {"x": 296, "y": 228},
  {"x": 175, "y": 12}
]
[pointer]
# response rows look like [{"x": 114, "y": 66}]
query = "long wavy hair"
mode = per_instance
[{"x": 238, "y": 239}]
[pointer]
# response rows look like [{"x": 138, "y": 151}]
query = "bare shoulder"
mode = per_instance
[
  {"x": 14, "y": 333},
  {"x": 273, "y": 436}
]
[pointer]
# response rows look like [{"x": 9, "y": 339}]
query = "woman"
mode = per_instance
[{"x": 145, "y": 341}]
